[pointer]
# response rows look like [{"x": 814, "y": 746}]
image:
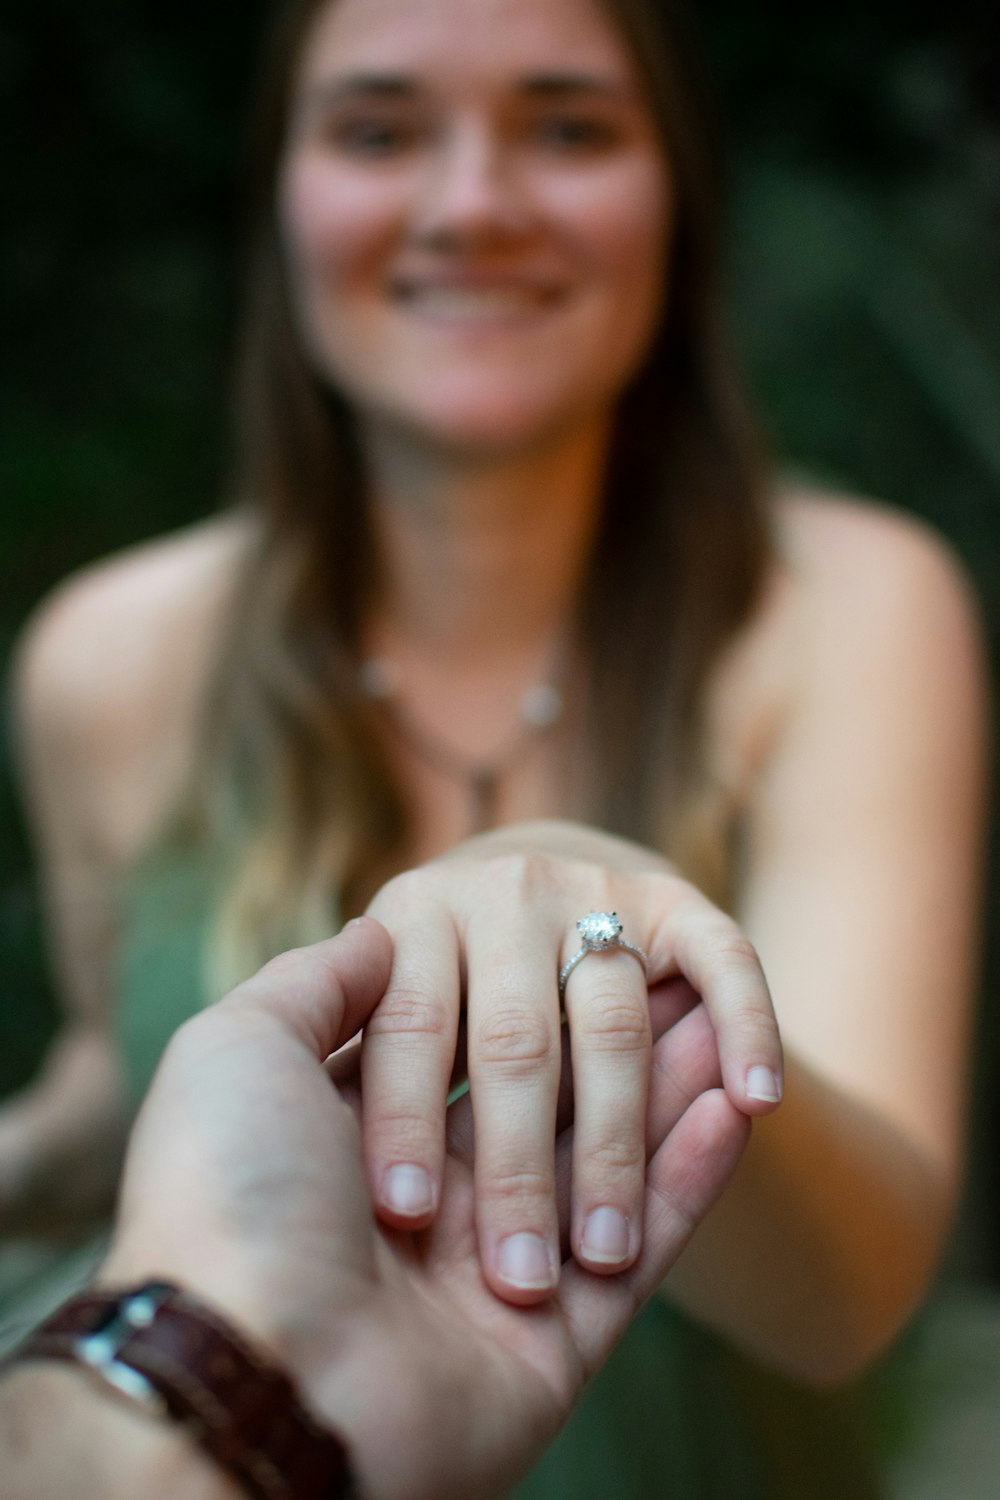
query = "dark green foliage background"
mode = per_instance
[{"x": 866, "y": 222}]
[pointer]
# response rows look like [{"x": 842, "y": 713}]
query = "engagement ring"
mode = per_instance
[{"x": 600, "y": 930}]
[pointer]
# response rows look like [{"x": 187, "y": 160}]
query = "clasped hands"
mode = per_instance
[{"x": 594, "y": 1147}]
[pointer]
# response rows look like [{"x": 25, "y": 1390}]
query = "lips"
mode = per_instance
[{"x": 463, "y": 301}]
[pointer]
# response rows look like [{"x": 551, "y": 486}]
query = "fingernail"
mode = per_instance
[
  {"x": 763, "y": 1084},
  {"x": 605, "y": 1236},
  {"x": 524, "y": 1260},
  {"x": 407, "y": 1189}
]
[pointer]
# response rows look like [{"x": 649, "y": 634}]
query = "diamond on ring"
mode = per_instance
[{"x": 600, "y": 930}]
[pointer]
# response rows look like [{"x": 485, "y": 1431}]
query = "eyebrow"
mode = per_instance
[
  {"x": 404, "y": 86},
  {"x": 546, "y": 85}
]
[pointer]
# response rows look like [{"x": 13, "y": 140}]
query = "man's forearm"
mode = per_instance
[{"x": 61, "y": 1434}]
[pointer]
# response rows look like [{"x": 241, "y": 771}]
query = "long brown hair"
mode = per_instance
[{"x": 292, "y": 785}]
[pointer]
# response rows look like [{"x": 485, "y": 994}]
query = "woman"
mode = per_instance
[{"x": 505, "y": 555}]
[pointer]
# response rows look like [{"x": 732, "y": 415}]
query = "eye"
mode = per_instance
[
  {"x": 371, "y": 135},
  {"x": 576, "y": 133}
]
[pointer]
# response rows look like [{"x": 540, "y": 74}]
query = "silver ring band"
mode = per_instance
[{"x": 600, "y": 931}]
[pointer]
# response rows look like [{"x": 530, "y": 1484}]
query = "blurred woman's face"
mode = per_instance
[{"x": 475, "y": 208}]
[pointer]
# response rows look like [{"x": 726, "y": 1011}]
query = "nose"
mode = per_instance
[{"x": 471, "y": 192}]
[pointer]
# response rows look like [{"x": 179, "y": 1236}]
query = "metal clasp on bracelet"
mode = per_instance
[{"x": 100, "y": 1349}]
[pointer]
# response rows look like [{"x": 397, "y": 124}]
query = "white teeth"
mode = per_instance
[{"x": 455, "y": 302}]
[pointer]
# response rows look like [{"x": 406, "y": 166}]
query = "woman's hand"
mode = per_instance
[
  {"x": 244, "y": 1182},
  {"x": 487, "y": 929}
]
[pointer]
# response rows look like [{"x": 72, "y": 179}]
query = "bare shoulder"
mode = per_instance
[
  {"x": 884, "y": 623},
  {"x": 94, "y": 643},
  {"x": 858, "y": 564},
  {"x": 108, "y": 673},
  {"x": 866, "y": 614}
]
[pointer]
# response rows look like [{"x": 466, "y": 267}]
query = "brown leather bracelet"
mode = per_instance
[{"x": 169, "y": 1353}]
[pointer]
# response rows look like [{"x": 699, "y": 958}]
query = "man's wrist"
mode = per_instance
[
  {"x": 163, "y": 1347},
  {"x": 62, "y": 1433},
  {"x": 232, "y": 1293}
]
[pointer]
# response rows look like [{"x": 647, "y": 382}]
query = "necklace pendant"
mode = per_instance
[
  {"x": 540, "y": 708},
  {"x": 542, "y": 705},
  {"x": 484, "y": 786}
]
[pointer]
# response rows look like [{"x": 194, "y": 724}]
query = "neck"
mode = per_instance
[{"x": 478, "y": 555}]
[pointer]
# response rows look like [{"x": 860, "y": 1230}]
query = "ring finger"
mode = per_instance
[{"x": 607, "y": 1010}]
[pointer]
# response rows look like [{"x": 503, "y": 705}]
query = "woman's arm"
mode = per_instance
[
  {"x": 105, "y": 688},
  {"x": 862, "y": 897},
  {"x": 61, "y": 1138},
  {"x": 863, "y": 901}
]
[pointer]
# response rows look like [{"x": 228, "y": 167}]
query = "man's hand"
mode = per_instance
[{"x": 244, "y": 1182}]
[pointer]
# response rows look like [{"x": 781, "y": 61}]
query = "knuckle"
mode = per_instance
[
  {"x": 516, "y": 1183},
  {"x": 616, "y": 1026},
  {"x": 672, "y": 1083},
  {"x": 759, "y": 1034},
  {"x": 615, "y": 1156},
  {"x": 397, "y": 892},
  {"x": 513, "y": 1038},
  {"x": 688, "y": 1063},
  {"x": 410, "y": 888},
  {"x": 662, "y": 890},
  {"x": 685, "y": 905},
  {"x": 731, "y": 946},
  {"x": 678, "y": 1209},
  {"x": 411, "y": 1011},
  {"x": 516, "y": 872},
  {"x": 401, "y": 1126}
]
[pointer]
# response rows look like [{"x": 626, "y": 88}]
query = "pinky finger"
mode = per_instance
[{"x": 722, "y": 965}]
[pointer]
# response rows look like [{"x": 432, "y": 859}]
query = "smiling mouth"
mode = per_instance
[{"x": 486, "y": 304}]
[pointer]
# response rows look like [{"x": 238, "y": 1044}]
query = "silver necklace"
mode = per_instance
[{"x": 539, "y": 710}]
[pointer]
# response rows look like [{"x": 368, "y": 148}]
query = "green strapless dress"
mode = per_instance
[{"x": 674, "y": 1415}]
